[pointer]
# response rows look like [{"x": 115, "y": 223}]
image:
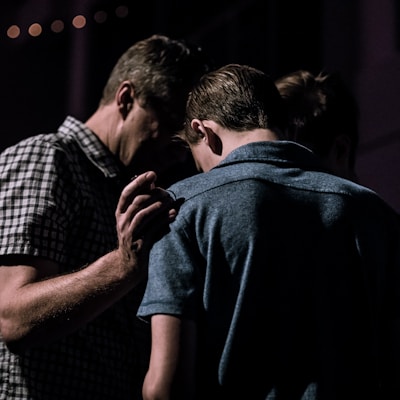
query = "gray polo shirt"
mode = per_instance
[{"x": 286, "y": 270}]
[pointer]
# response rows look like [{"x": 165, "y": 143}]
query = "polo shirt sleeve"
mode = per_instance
[{"x": 173, "y": 285}]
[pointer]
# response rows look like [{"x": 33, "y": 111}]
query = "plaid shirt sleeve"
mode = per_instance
[{"x": 35, "y": 199}]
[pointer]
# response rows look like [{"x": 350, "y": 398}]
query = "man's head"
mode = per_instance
[
  {"x": 323, "y": 116},
  {"x": 143, "y": 101},
  {"x": 162, "y": 71},
  {"x": 231, "y": 106}
]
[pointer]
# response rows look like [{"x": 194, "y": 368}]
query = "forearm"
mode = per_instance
[
  {"x": 44, "y": 310},
  {"x": 172, "y": 360}
]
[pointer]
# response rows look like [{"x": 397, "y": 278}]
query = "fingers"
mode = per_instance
[
  {"x": 153, "y": 201},
  {"x": 141, "y": 184},
  {"x": 142, "y": 210},
  {"x": 151, "y": 217},
  {"x": 145, "y": 208}
]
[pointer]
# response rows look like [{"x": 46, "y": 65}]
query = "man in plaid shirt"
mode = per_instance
[{"x": 73, "y": 249}]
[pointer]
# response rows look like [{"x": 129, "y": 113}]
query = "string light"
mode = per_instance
[
  {"x": 121, "y": 11},
  {"x": 100, "y": 17},
  {"x": 35, "y": 29},
  {"x": 79, "y": 21},
  {"x": 57, "y": 26},
  {"x": 13, "y": 31}
]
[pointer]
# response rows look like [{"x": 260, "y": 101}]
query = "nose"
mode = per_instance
[{"x": 155, "y": 129}]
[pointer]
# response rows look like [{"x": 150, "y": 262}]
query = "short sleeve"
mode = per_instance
[
  {"x": 36, "y": 199},
  {"x": 173, "y": 285}
]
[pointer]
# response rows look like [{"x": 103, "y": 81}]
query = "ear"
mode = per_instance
[
  {"x": 199, "y": 128},
  {"x": 208, "y": 135},
  {"x": 125, "y": 97}
]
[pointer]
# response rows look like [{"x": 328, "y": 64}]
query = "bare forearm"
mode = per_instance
[
  {"x": 172, "y": 361},
  {"x": 42, "y": 311}
]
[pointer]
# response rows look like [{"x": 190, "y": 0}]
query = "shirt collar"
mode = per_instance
[
  {"x": 94, "y": 149},
  {"x": 279, "y": 152}
]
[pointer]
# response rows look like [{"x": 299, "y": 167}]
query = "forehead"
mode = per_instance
[{"x": 170, "y": 114}]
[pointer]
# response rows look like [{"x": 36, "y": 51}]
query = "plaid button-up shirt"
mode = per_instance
[{"x": 58, "y": 195}]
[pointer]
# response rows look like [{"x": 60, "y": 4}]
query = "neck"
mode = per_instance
[{"x": 236, "y": 139}]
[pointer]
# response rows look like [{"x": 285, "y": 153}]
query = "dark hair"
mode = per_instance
[
  {"x": 237, "y": 97},
  {"x": 319, "y": 108},
  {"x": 162, "y": 71}
]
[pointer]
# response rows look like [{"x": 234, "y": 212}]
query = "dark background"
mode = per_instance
[{"x": 44, "y": 78}]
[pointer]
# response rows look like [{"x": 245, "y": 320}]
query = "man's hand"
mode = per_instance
[{"x": 143, "y": 211}]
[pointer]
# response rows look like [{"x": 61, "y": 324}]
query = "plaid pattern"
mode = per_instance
[{"x": 58, "y": 196}]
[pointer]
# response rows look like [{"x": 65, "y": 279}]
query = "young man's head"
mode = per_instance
[
  {"x": 231, "y": 106},
  {"x": 322, "y": 115}
]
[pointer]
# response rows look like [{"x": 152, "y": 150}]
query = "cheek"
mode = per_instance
[
  {"x": 145, "y": 124},
  {"x": 153, "y": 125},
  {"x": 149, "y": 127}
]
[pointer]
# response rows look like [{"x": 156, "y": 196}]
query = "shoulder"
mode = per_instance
[
  {"x": 28, "y": 150},
  {"x": 39, "y": 157},
  {"x": 68, "y": 139},
  {"x": 202, "y": 184}
]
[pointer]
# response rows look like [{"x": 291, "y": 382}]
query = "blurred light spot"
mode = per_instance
[
  {"x": 13, "y": 31},
  {"x": 100, "y": 17},
  {"x": 79, "y": 21},
  {"x": 35, "y": 29},
  {"x": 57, "y": 26},
  {"x": 121, "y": 11}
]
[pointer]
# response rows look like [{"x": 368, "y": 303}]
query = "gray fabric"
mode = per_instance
[{"x": 286, "y": 269}]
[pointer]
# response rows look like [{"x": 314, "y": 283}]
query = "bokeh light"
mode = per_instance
[
  {"x": 35, "y": 29},
  {"x": 100, "y": 17},
  {"x": 79, "y": 21},
  {"x": 13, "y": 31},
  {"x": 121, "y": 11},
  {"x": 57, "y": 26}
]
